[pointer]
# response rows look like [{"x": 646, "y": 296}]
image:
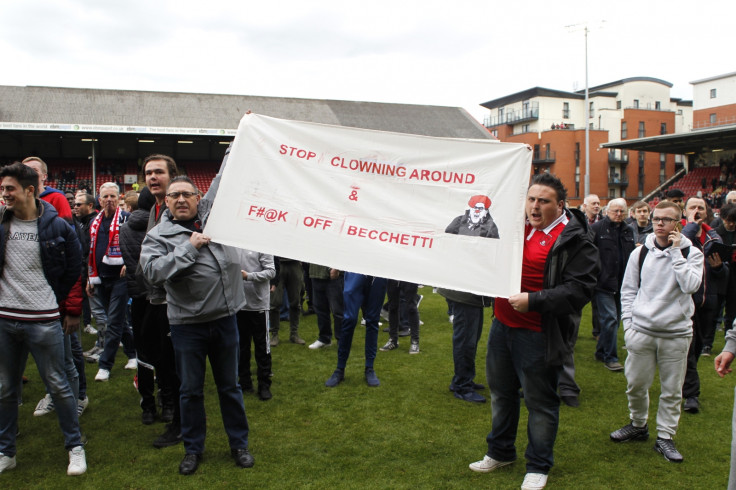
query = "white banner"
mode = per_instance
[{"x": 377, "y": 203}]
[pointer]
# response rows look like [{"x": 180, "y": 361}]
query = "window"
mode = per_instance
[
  {"x": 618, "y": 104},
  {"x": 494, "y": 133},
  {"x": 712, "y": 93},
  {"x": 636, "y": 103},
  {"x": 679, "y": 112},
  {"x": 663, "y": 128},
  {"x": 536, "y": 152},
  {"x": 624, "y": 130},
  {"x": 577, "y": 157},
  {"x": 547, "y": 151},
  {"x": 500, "y": 115},
  {"x": 641, "y": 175},
  {"x": 662, "y": 167},
  {"x": 525, "y": 128},
  {"x": 658, "y": 106},
  {"x": 713, "y": 119},
  {"x": 565, "y": 110},
  {"x": 525, "y": 108},
  {"x": 642, "y": 129},
  {"x": 590, "y": 110}
]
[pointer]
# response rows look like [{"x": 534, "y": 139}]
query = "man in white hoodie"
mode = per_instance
[{"x": 656, "y": 309}]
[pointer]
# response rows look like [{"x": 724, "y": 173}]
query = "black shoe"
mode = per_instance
[
  {"x": 148, "y": 417},
  {"x": 243, "y": 458},
  {"x": 666, "y": 447},
  {"x": 630, "y": 433},
  {"x": 247, "y": 388},
  {"x": 476, "y": 387},
  {"x": 706, "y": 351},
  {"x": 189, "y": 464},
  {"x": 570, "y": 400},
  {"x": 264, "y": 393},
  {"x": 170, "y": 437},
  {"x": 691, "y": 405},
  {"x": 167, "y": 414},
  {"x": 470, "y": 396}
]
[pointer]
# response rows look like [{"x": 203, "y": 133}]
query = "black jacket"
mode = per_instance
[
  {"x": 570, "y": 274},
  {"x": 132, "y": 233},
  {"x": 614, "y": 249}
]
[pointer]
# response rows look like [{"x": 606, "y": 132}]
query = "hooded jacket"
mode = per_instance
[
  {"x": 662, "y": 305},
  {"x": 570, "y": 273}
]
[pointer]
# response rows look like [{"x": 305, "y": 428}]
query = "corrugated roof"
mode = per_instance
[{"x": 190, "y": 110}]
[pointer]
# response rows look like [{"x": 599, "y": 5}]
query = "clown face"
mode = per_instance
[{"x": 478, "y": 213}]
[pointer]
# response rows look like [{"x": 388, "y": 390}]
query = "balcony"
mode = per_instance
[
  {"x": 618, "y": 156},
  {"x": 544, "y": 158},
  {"x": 513, "y": 117},
  {"x": 614, "y": 181}
]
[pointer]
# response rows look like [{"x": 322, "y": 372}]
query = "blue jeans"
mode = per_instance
[
  {"x": 467, "y": 327},
  {"x": 327, "y": 298},
  {"x": 113, "y": 294},
  {"x": 366, "y": 292},
  {"x": 45, "y": 341},
  {"x": 516, "y": 359},
  {"x": 608, "y": 308},
  {"x": 219, "y": 341}
]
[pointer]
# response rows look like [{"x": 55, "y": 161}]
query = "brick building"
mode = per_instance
[{"x": 553, "y": 123}]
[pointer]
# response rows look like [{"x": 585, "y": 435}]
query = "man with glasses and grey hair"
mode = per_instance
[
  {"x": 615, "y": 242},
  {"x": 657, "y": 309}
]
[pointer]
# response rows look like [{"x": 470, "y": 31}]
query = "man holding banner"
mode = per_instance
[{"x": 534, "y": 330}]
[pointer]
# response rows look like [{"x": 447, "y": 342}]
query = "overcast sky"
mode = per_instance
[{"x": 430, "y": 52}]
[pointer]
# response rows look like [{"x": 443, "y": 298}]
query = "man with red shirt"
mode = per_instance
[{"x": 534, "y": 330}]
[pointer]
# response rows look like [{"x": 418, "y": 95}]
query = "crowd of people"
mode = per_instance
[{"x": 155, "y": 284}]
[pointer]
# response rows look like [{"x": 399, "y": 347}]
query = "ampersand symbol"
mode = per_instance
[{"x": 353, "y": 196}]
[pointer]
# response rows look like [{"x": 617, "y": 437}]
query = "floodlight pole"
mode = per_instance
[
  {"x": 587, "y": 120},
  {"x": 94, "y": 169}
]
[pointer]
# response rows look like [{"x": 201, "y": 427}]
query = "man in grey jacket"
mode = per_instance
[
  {"x": 258, "y": 270},
  {"x": 203, "y": 283}
]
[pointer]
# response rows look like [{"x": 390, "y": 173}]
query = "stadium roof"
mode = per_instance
[
  {"x": 695, "y": 142},
  {"x": 140, "y": 112}
]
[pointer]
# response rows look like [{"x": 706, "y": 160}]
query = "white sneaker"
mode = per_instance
[
  {"x": 82, "y": 405},
  {"x": 77, "y": 462},
  {"x": 90, "y": 330},
  {"x": 132, "y": 364},
  {"x": 45, "y": 406},
  {"x": 487, "y": 464},
  {"x": 318, "y": 344},
  {"x": 534, "y": 481},
  {"x": 452, "y": 318},
  {"x": 102, "y": 375},
  {"x": 6, "y": 462}
]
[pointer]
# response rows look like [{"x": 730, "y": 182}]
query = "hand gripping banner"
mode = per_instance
[{"x": 437, "y": 211}]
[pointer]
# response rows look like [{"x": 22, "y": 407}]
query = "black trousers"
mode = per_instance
[
  {"x": 253, "y": 327},
  {"x": 162, "y": 357}
]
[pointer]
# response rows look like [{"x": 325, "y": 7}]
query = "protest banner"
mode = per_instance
[{"x": 385, "y": 204}]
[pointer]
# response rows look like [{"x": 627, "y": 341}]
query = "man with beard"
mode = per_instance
[{"x": 476, "y": 221}]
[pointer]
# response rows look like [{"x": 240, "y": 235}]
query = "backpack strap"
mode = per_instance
[{"x": 643, "y": 255}]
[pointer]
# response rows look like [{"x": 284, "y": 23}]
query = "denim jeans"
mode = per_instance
[
  {"x": 608, "y": 308},
  {"x": 113, "y": 294},
  {"x": 219, "y": 341},
  {"x": 45, "y": 342},
  {"x": 366, "y": 293},
  {"x": 467, "y": 327},
  {"x": 327, "y": 298},
  {"x": 516, "y": 359},
  {"x": 97, "y": 310}
]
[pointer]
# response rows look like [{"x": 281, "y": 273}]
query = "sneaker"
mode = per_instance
[
  {"x": 77, "y": 462},
  {"x": 611, "y": 366},
  {"x": 534, "y": 481},
  {"x": 470, "y": 396},
  {"x": 102, "y": 375},
  {"x": 337, "y": 377},
  {"x": 170, "y": 437},
  {"x": 93, "y": 355},
  {"x": 487, "y": 464},
  {"x": 82, "y": 406},
  {"x": 318, "y": 344},
  {"x": 90, "y": 329},
  {"x": 404, "y": 332},
  {"x": 414, "y": 348},
  {"x": 692, "y": 405},
  {"x": 6, "y": 462},
  {"x": 274, "y": 340},
  {"x": 630, "y": 433},
  {"x": 295, "y": 339},
  {"x": 45, "y": 405},
  {"x": 390, "y": 345},
  {"x": 706, "y": 351},
  {"x": 666, "y": 447},
  {"x": 370, "y": 378},
  {"x": 132, "y": 364}
]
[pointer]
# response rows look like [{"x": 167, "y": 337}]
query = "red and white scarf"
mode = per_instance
[{"x": 113, "y": 256}]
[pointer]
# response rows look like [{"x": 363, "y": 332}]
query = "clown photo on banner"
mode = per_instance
[{"x": 377, "y": 203}]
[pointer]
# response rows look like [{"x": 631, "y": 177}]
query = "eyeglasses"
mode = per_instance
[
  {"x": 77, "y": 204},
  {"x": 666, "y": 221},
  {"x": 176, "y": 195}
]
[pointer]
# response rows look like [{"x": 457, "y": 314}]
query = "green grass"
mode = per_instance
[{"x": 408, "y": 433}]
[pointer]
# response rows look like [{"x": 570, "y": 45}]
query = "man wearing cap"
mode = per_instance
[{"x": 476, "y": 221}]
